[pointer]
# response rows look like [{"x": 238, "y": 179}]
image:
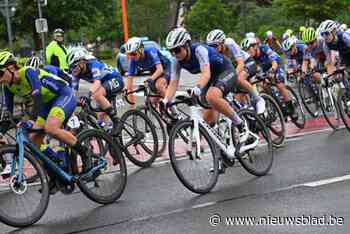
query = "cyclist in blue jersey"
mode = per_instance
[
  {"x": 105, "y": 81},
  {"x": 294, "y": 51},
  {"x": 149, "y": 59},
  {"x": 271, "y": 63},
  {"x": 336, "y": 41},
  {"x": 245, "y": 64},
  {"x": 217, "y": 76}
]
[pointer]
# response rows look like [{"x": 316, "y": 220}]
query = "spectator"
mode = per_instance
[{"x": 56, "y": 52}]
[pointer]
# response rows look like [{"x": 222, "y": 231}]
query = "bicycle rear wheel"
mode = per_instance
[
  {"x": 107, "y": 184},
  {"x": 138, "y": 137},
  {"x": 23, "y": 204},
  {"x": 197, "y": 171},
  {"x": 329, "y": 107},
  {"x": 258, "y": 160},
  {"x": 274, "y": 120}
]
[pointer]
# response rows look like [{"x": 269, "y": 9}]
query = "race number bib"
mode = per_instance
[{"x": 73, "y": 122}]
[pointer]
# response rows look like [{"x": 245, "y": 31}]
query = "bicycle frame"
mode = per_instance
[
  {"x": 23, "y": 141},
  {"x": 198, "y": 120}
]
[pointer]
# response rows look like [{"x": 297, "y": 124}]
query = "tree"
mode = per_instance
[
  {"x": 207, "y": 15},
  {"x": 312, "y": 9}
]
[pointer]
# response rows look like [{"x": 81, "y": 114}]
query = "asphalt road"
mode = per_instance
[{"x": 309, "y": 183}]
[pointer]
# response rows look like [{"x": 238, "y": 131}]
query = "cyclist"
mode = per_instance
[
  {"x": 288, "y": 33},
  {"x": 336, "y": 41},
  {"x": 36, "y": 62},
  {"x": 270, "y": 61},
  {"x": 105, "y": 81},
  {"x": 246, "y": 66},
  {"x": 217, "y": 76},
  {"x": 56, "y": 52},
  {"x": 149, "y": 59},
  {"x": 271, "y": 40},
  {"x": 54, "y": 101},
  {"x": 294, "y": 52},
  {"x": 316, "y": 54}
]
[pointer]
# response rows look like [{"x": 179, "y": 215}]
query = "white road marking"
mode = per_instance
[{"x": 327, "y": 181}]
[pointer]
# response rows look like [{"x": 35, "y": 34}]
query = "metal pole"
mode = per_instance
[
  {"x": 125, "y": 20},
  {"x": 42, "y": 52},
  {"x": 8, "y": 23}
]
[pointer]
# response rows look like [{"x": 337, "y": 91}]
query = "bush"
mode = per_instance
[{"x": 105, "y": 54}]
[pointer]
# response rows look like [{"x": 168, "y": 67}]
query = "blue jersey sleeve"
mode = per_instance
[
  {"x": 8, "y": 99},
  {"x": 32, "y": 76},
  {"x": 96, "y": 70},
  {"x": 153, "y": 52}
]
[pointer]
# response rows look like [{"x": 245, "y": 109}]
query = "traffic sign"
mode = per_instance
[
  {"x": 41, "y": 25},
  {"x": 43, "y": 2}
]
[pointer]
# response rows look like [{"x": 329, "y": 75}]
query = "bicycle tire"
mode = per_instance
[
  {"x": 297, "y": 107},
  {"x": 277, "y": 141},
  {"x": 246, "y": 158},
  {"x": 44, "y": 193},
  {"x": 115, "y": 189},
  {"x": 158, "y": 123},
  {"x": 344, "y": 108},
  {"x": 302, "y": 88},
  {"x": 189, "y": 183},
  {"x": 333, "y": 124},
  {"x": 129, "y": 151}
]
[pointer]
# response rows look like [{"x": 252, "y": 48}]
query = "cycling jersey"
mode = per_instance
[
  {"x": 56, "y": 54},
  {"x": 296, "y": 59},
  {"x": 317, "y": 55},
  {"x": 152, "y": 57},
  {"x": 223, "y": 74},
  {"x": 234, "y": 52},
  {"x": 58, "y": 72},
  {"x": 265, "y": 59},
  {"x": 342, "y": 45},
  {"x": 96, "y": 70},
  {"x": 43, "y": 87}
]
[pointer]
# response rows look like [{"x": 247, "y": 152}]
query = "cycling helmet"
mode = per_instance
[
  {"x": 248, "y": 42},
  {"x": 289, "y": 43},
  {"x": 34, "y": 62},
  {"x": 308, "y": 35},
  {"x": 302, "y": 29},
  {"x": 328, "y": 26},
  {"x": 289, "y": 32},
  {"x": 7, "y": 58},
  {"x": 216, "y": 37},
  {"x": 343, "y": 27},
  {"x": 133, "y": 44},
  {"x": 250, "y": 35},
  {"x": 75, "y": 54},
  {"x": 58, "y": 30},
  {"x": 269, "y": 34},
  {"x": 177, "y": 37}
]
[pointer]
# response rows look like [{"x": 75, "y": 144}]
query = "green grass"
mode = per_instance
[{"x": 112, "y": 61}]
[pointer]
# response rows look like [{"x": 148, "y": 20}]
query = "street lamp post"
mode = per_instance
[
  {"x": 5, "y": 10},
  {"x": 42, "y": 35}
]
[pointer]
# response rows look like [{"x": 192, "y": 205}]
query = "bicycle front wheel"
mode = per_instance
[
  {"x": 107, "y": 184},
  {"x": 329, "y": 107},
  {"x": 256, "y": 153},
  {"x": 22, "y": 203},
  {"x": 309, "y": 97},
  {"x": 344, "y": 108},
  {"x": 300, "y": 122},
  {"x": 197, "y": 170},
  {"x": 138, "y": 136}
]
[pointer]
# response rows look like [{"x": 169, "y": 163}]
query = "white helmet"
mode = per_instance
[
  {"x": 177, "y": 37},
  {"x": 216, "y": 37},
  {"x": 248, "y": 42},
  {"x": 34, "y": 62},
  {"x": 269, "y": 34},
  {"x": 343, "y": 27},
  {"x": 133, "y": 44},
  {"x": 328, "y": 26},
  {"x": 250, "y": 35},
  {"x": 289, "y": 43},
  {"x": 75, "y": 54}
]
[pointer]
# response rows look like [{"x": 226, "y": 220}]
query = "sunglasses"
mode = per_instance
[
  {"x": 176, "y": 50},
  {"x": 325, "y": 34},
  {"x": 214, "y": 46}
]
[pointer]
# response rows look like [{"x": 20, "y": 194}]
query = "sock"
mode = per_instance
[{"x": 236, "y": 120}]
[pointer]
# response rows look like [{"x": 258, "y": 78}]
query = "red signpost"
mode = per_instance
[{"x": 125, "y": 20}]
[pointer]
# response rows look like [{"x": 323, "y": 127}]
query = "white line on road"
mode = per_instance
[{"x": 327, "y": 181}]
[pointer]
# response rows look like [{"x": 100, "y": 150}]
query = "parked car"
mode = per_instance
[{"x": 122, "y": 63}]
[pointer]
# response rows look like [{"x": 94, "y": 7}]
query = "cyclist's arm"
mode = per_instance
[
  {"x": 96, "y": 84},
  {"x": 159, "y": 72},
  {"x": 157, "y": 63},
  {"x": 32, "y": 76},
  {"x": 203, "y": 58},
  {"x": 240, "y": 65},
  {"x": 333, "y": 61},
  {"x": 175, "y": 70},
  {"x": 8, "y": 99}
]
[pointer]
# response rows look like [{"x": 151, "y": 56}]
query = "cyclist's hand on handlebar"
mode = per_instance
[{"x": 25, "y": 124}]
